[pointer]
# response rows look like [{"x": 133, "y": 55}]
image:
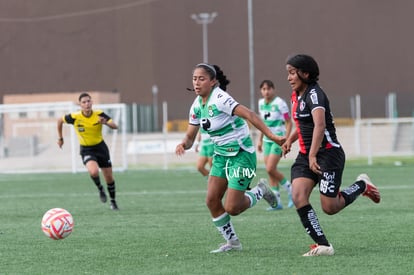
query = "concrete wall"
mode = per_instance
[
  {"x": 363, "y": 47},
  {"x": 156, "y": 151}
]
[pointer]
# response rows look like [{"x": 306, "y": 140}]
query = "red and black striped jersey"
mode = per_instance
[{"x": 302, "y": 107}]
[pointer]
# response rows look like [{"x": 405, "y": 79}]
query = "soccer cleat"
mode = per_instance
[
  {"x": 320, "y": 250},
  {"x": 114, "y": 206},
  {"x": 278, "y": 207},
  {"x": 268, "y": 194},
  {"x": 371, "y": 191},
  {"x": 290, "y": 202},
  {"x": 102, "y": 196},
  {"x": 230, "y": 245}
]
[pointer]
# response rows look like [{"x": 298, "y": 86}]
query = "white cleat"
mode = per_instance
[
  {"x": 320, "y": 250},
  {"x": 229, "y": 246},
  {"x": 268, "y": 194}
]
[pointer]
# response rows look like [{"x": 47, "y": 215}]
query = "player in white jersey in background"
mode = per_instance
[
  {"x": 205, "y": 149},
  {"x": 234, "y": 159},
  {"x": 275, "y": 114}
]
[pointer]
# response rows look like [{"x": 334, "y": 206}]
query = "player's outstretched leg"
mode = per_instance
[
  {"x": 267, "y": 193},
  {"x": 371, "y": 191}
]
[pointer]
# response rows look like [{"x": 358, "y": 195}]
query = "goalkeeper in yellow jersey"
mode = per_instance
[{"x": 93, "y": 149}]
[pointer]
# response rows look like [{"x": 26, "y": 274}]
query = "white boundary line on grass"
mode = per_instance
[
  {"x": 62, "y": 195},
  {"x": 151, "y": 193}
]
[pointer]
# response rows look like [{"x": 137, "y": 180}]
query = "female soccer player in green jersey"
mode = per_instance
[
  {"x": 234, "y": 159},
  {"x": 205, "y": 149},
  {"x": 274, "y": 112},
  {"x": 93, "y": 149}
]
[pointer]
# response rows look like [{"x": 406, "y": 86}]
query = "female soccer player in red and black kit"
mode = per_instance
[{"x": 321, "y": 159}]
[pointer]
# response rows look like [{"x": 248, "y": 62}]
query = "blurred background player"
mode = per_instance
[
  {"x": 93, "y": 149},
  {"x": 205, "y": 149},
  {"x": 275, "y": 114}
]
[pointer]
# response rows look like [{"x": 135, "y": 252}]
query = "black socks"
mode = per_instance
[
  {"x": 111, "y": 190},
  {"x": 97, "y": 182},
  {"x": 353, "y": 191},
  {"x": 311, "y": 224}
]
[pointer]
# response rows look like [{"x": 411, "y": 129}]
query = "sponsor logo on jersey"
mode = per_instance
[
  {"x": 314, "y": 96},
  {"x": 205, "y": 124},
  {"x": 229, "y": 101}
]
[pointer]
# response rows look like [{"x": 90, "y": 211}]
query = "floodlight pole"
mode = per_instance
[
  {"x": 251, "y": 53},
  {"x": 155, "y": 106},
  {"x": 204, "y": 19}
]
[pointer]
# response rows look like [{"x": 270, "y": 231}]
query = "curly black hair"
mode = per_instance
[{"x": 306, "y": 64}]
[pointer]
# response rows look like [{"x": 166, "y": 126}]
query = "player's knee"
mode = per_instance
[
  {"x": 109, "y": 180},
  {"x": 212, "y": 203},
  {"x": 94, "y": 173},
  {"x": 330, "y": 209},
  {"x": 270, "y": 169},
  {"x": 232, "y": 210},
  {"x": 200, "y": 168}
]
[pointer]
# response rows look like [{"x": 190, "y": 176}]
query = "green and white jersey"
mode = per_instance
[
  {"x": 205, "y": 138},
  {"x": 229, "y": 133},
  {"x": 274, "y": 114}
]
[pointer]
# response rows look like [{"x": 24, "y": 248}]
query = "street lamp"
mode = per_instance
[{"x": 204, "y": 19}]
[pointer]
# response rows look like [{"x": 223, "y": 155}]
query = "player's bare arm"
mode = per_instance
[
  {"x": 318, "y": 116},
  {"x": 260, "y": 142},
  {"x": 60, "y": 140},
  {"x": 188, "y": 140},
  {"x": 253, "y": 118},
  {"x": 286, "y": 147}
]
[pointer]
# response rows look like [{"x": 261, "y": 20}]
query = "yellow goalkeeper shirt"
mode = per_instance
[{"x": 88, "y": 129}]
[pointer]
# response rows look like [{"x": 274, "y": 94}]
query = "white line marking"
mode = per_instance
[
  {"x": 151, "y": 193},
  {"x": 141, "y": 193}
]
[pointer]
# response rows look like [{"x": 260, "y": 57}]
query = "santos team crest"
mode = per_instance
[{"x": 210, "y": 111}]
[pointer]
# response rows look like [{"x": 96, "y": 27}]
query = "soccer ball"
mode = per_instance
[{"x": 57, "y": 223}]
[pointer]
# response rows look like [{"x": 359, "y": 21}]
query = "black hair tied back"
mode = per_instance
[
  {"x": 221, "y": 78},
  {"x": 214, "y": 72}
]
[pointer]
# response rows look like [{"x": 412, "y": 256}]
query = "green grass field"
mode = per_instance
[{"x": 164, "y": 228}]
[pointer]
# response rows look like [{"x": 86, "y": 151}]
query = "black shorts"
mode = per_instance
[
  {"x": 332, "y": 163},
  {"x": 98, "y": 153}
]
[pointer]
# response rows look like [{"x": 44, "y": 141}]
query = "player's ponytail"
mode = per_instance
[
  {"x": 215, "y": 72},
  {"x": 221, "y": 78}
]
